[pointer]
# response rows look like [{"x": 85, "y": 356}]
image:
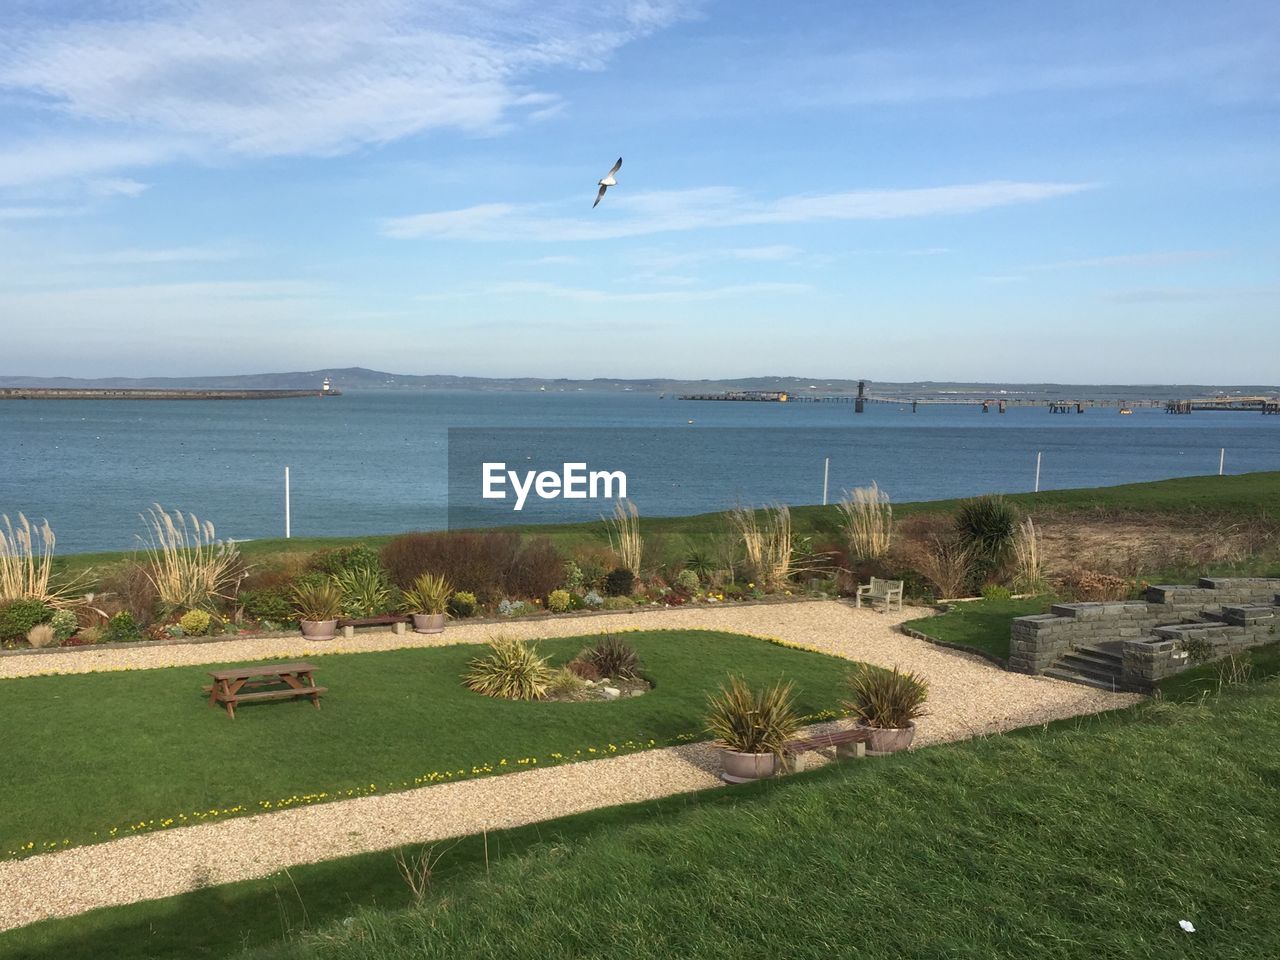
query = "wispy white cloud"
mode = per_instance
[
  {"x": 142, "y": 256},
  {"x": 174, "y": 77},
  {"x": 675, "y": 210},
  {"x": 1155, "y": 258},
  {"x": 527, "y": 288}
]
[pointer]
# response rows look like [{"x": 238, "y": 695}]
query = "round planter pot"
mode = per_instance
[
  {"x": 889, "y": 739},
  {"x": 745, "y": 767},
  {"x": 428, "y": 623},
  {"x": 319, "y": 629}
]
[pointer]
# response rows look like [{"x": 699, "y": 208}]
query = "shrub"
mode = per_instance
[
  {"x": 17, "y": 617},
  {"x": 592, "y": 600},
  {"x": 594, "y": 565},
  {"x": 558, "y": 601},
  {"x": 887, "y": 699},
  {"x": 620, "y": 582},
  {"x": 463, "y": 604},
  {"x": 868, "y": 522},
  {"x": 355, "y": 557},
  {"x": 195, "y": 623},
  {"x": 131, "y": 585},
  {"x": 189, "y": 566},
  {"x": 90, "y": 635},
  {"x": 272, "y": 605},
  {"x": 515, "y": 608},
  {"x": 475, "y": 561},
  {"x": 988, "y": 528},
  {"x": 748, "y": 721},
  {"x": 365, "y": 591},
  {"x": 122, "y": 628},
  {"x": 618, "y": 603},
  {"x": 64, "y": 625},
  {"x": 41, "y": 635},
  {"x": 947, "y": 564},
  {"x": 538, "y": 569},
  {"x": 688, "y": 581},
  {"x": 1092, "y": 586},
  {"x": 428, "y": 595},
  {"x": 317, "y": 601},
  {"x": 700, "y": 561},
  {"x": 565, "y": 684},
  {"x": 612, "y": 658},
  {"x": 584, "y": 669},
  {"x": 512, "y": 670},
  {"x": 993, "y": 591}
]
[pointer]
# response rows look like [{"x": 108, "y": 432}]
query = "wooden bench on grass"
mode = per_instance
[
  {"x": 263, "y": 682},
  {"x": 847, "y": 743},
  {"x": 396, "y": 621},
  {"x": 887, "y": 592}
]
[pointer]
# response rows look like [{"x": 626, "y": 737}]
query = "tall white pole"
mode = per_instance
[
  {"x": 1222, "y": 460},
  {"x": 1038, "y": 456},
  {"x": 287, "y": 531},
  {"x": 826, "y": 473}
]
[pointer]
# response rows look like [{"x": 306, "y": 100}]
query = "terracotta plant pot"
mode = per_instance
[
  {"x": 428, "y": 623},
  {"x": 889, "y": 739},
  {"x": 745, "y": 767},
  {"x": 319, "y": 629}
]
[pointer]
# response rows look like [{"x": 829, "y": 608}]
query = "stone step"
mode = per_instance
[
  {"x": 1104, "y": 654},
  {"x": 1089, "y": 668},
  {"x": 1073, "y": 677}
]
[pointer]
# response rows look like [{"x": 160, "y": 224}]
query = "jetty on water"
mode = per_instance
[{"x": 135, "y": 393}]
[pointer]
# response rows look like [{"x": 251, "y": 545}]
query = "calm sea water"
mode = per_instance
[{"x": 377, "y": 462}]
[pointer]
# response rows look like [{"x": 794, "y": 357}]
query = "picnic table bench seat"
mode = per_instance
[
  {"x": 396, "y": 621},
  {"x": 263, "y": 682}
]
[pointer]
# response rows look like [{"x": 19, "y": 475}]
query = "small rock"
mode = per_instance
[
  {"x": 611, "y": 693},
  {"x": 637, "y": 693}
]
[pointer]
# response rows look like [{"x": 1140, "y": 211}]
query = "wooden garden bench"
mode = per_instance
[
  {"x": 263, "y": 682},
  {"x": 396, "y": 621},
  {"x": 793, "y": 750},
  {"x": 887, "y": 592}
]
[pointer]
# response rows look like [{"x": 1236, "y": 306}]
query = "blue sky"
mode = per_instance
[{"x": 1083, "y": 192}]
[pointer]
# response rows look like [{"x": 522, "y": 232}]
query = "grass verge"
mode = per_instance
[{"x": 981, "y": 625}]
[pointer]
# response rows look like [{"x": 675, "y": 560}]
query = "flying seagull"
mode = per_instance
[{"x": 607, "y": 182}]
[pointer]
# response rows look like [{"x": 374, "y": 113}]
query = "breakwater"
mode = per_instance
[{"x": 107, "y": 393}]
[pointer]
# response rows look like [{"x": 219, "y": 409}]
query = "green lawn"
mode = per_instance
[
  {"x": 1245, "y": 495},
  {"x": 982, "y": 625},
  {"x": 1087, "y": 838},
  {"x": 94, "y": 752}
]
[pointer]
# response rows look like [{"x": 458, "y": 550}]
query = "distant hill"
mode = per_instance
[{"x": 360, "y": 378}]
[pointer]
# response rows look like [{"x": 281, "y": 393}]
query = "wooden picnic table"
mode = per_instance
[{"x": 264, "y": 681}]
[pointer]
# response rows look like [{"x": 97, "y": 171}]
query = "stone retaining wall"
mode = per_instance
[{"x": 1173, "y": 627}]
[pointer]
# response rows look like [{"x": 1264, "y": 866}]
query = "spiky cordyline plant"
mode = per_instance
[
  {"x": 624, "y": 535},
  {"x": 26, "y": 562},
  {"x": 429, "y": 594},
  {"x": 752, "y": 721},
  {"x": 887, "y": 699},
  {"x": 189, "y": 566},
  {"x": 766, "y": 544},
  {"x": 512, "y": 670},
  {"x": 868, "y": 522}
]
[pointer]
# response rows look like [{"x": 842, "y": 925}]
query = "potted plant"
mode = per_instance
[
  {"x": 318, "y": 605},
  {"x": 750, "y": 727},
  {"x": 428, "y": 600},
  {"x": 887, "y": 703}
]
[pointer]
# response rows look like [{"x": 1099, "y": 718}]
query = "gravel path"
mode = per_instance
[{"x": 968, "y": 696}]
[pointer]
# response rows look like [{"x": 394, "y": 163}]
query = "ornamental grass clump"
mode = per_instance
[
  {"x": 887, "y": 699},
  {"x": 26, "y": 562},
  {"x": 512, "y": 670},
  {"x": 611, "y": 657},
  {"x": 1028, "y": 563},
  {"x": 752, "y": 721},
  {"x": 428, "y": 595},
  {"x": 624, "y": 535},
  {"x": 189, "y": 565},
  {"x": 868, "y": 522},
  {"x": 766, "y": 544}
]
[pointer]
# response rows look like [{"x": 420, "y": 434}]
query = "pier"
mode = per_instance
[{"x": 1243, "y": 404}]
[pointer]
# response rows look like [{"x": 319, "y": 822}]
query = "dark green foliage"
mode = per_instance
[
  {"x": 19, "y": 616},
  {"x": 987, "y": 527},
  {"x": 365, "y": 592},
  {"x": 619, "y": 582},
  {"x": 463, "y": 604},
  {"x": 340, "y": 559},
  {"x": 612, "y": 657},
  {"x": 122, "y": 628},
  {"x": 273, "y": 605}
]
